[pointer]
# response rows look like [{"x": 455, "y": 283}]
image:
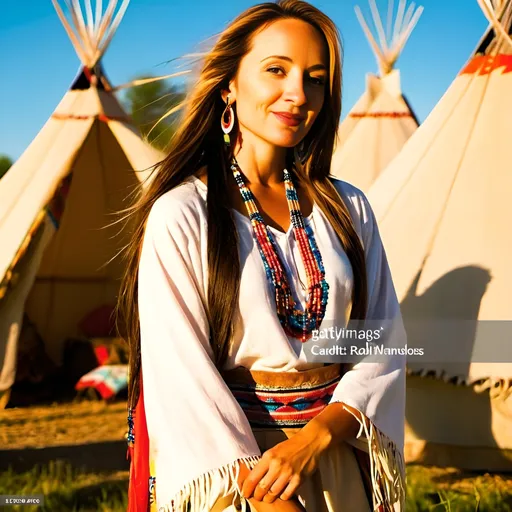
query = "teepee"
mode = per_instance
[
  {"x": 381, "y": 121},
  {"x": 59, "y": 200},
  {"x": 444, "y": 212}
]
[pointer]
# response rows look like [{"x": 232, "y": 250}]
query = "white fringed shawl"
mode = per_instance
[{"x": 198, "y": 433}]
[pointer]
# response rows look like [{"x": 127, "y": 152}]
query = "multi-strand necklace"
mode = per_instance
[{"x": 296, "y": 323}]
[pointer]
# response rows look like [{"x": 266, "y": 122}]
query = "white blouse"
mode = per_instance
[{"x": 198, "y": 432}]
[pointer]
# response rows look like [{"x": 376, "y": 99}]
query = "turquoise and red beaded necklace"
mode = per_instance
[{"x": 296, "y": 323}]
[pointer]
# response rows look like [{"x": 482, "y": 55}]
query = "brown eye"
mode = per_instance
[
  {"x": 317, "y": 80},
  {"x": 274, "y": 70}
]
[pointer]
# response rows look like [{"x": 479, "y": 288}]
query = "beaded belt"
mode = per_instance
[{"x": 283, "y": 399}]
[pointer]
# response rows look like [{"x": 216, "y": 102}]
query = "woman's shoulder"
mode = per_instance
[
  {"x": 182, "y": 207},
  {"x": 355, "y": 200}
]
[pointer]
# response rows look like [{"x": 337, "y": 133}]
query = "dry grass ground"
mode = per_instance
[
  {"x": 67, "y": 488},
  {"x": 61, "y": 424}
]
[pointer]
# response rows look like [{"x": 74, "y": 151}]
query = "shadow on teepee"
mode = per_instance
[{"x": 448, "y": 416}]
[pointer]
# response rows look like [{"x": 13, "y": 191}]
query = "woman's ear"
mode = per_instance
[{"x": 231, "y": 92}]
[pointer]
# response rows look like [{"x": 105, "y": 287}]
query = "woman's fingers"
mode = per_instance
[
  {"x": 295, "y": 482},
  {"x": 243, "y": 474},
  {"x": 266, "y": 483},
  {"x": 277, "y": 488},
  {"x": 255, "y": 476}
]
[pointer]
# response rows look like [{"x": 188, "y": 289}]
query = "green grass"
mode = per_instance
[
  {"x": 67, "y": 489},
  {"x": 436, "y": 490}
]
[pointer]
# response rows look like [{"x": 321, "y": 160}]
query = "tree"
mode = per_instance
[
  {"x": 148, "y": 103},
  {"x": 5, "y": 164}
]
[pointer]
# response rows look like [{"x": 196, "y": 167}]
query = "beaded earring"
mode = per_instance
[{"x": 227, "y": 122}]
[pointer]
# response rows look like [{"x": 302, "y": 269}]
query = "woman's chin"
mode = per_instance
[{"x": 288, "y": 140}]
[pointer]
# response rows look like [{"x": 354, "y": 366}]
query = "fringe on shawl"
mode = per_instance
[
  {"x": 201, "y": 494},
  {"x": 387, "y": 467}
]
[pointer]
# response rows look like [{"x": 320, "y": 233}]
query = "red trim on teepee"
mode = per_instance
[
  {"x": 100, "y": 117},
  {"x": 392, "y": 115},
  {"x": 486, "y": 64},
  {"x": 138, "y": 490}
]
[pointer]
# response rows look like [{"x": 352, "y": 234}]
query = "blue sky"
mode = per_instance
[{"x": 38, "y": 62}]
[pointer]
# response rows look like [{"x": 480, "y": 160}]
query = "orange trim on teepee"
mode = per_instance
[
  {"x": 486, "y": 64},
  {"x": 392, "y": 115},
  {"x": 100, "y": 117}
]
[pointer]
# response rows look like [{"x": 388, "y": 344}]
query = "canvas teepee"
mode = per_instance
[
  {"x": 58, "y": 199},
  {"x": 445, "y": 215},
  {"x": 381, "y": 121}
]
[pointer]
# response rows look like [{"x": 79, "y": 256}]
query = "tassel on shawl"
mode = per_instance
[
  {"x": 201, "y": 494},
  {"x": 387, "y": 467}
]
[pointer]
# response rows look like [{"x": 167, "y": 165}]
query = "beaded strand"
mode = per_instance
[{"x": 295, "y": 322}]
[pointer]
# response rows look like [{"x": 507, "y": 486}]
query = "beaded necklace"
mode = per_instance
[{"x": 295, "y": 322}]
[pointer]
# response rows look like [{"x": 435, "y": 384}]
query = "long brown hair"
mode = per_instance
[{"x": 199, "y": 141}]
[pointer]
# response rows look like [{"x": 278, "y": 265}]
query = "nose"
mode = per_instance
[{"x": 294, "y": 89}]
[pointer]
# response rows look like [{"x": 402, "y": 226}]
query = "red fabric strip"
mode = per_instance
[{"x": 138, "y": 490}]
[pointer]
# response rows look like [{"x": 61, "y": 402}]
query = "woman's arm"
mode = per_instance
[
  {"x": 334, "y": 424},
  {"x": 198, "y": 434}
]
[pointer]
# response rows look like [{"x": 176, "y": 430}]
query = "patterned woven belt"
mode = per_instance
[{"x": 287, "y": 399}]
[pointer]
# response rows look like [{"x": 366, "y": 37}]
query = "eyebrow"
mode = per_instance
[{"x": 283, "y": 57}]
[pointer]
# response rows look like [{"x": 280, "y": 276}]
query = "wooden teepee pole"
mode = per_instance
[
  {"x": 387, "y": 52},
  {"x": 495, "y": 14},
  {"x": 91, "y": 33}
]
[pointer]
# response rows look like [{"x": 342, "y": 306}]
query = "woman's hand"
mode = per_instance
[
  {"x": 282, "y": 468},
  {"x": 277, "y": 506}
]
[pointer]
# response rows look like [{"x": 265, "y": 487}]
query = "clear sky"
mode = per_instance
[{"x": 38, "y": 63}]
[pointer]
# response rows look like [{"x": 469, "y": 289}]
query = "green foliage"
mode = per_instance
[
  {"x": 5, "y": 164},
  {"x": 148, "y": 103}
]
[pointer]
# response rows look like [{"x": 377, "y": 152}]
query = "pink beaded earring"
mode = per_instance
[{"x": 227, "y": 122}]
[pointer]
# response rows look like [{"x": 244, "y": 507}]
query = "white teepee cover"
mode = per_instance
[
  {"x": 444, "y": 212},
  {"x": 57, "y": 200},
  {"x": 381, "y": 121}
]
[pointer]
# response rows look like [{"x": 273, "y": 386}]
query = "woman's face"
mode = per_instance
[{"x": 280, "y": 85}]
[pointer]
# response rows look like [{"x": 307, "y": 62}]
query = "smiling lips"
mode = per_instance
[{"x": 289, "y": 119}]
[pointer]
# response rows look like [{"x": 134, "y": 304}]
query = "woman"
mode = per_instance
[{"x": 243, "y": 247}]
